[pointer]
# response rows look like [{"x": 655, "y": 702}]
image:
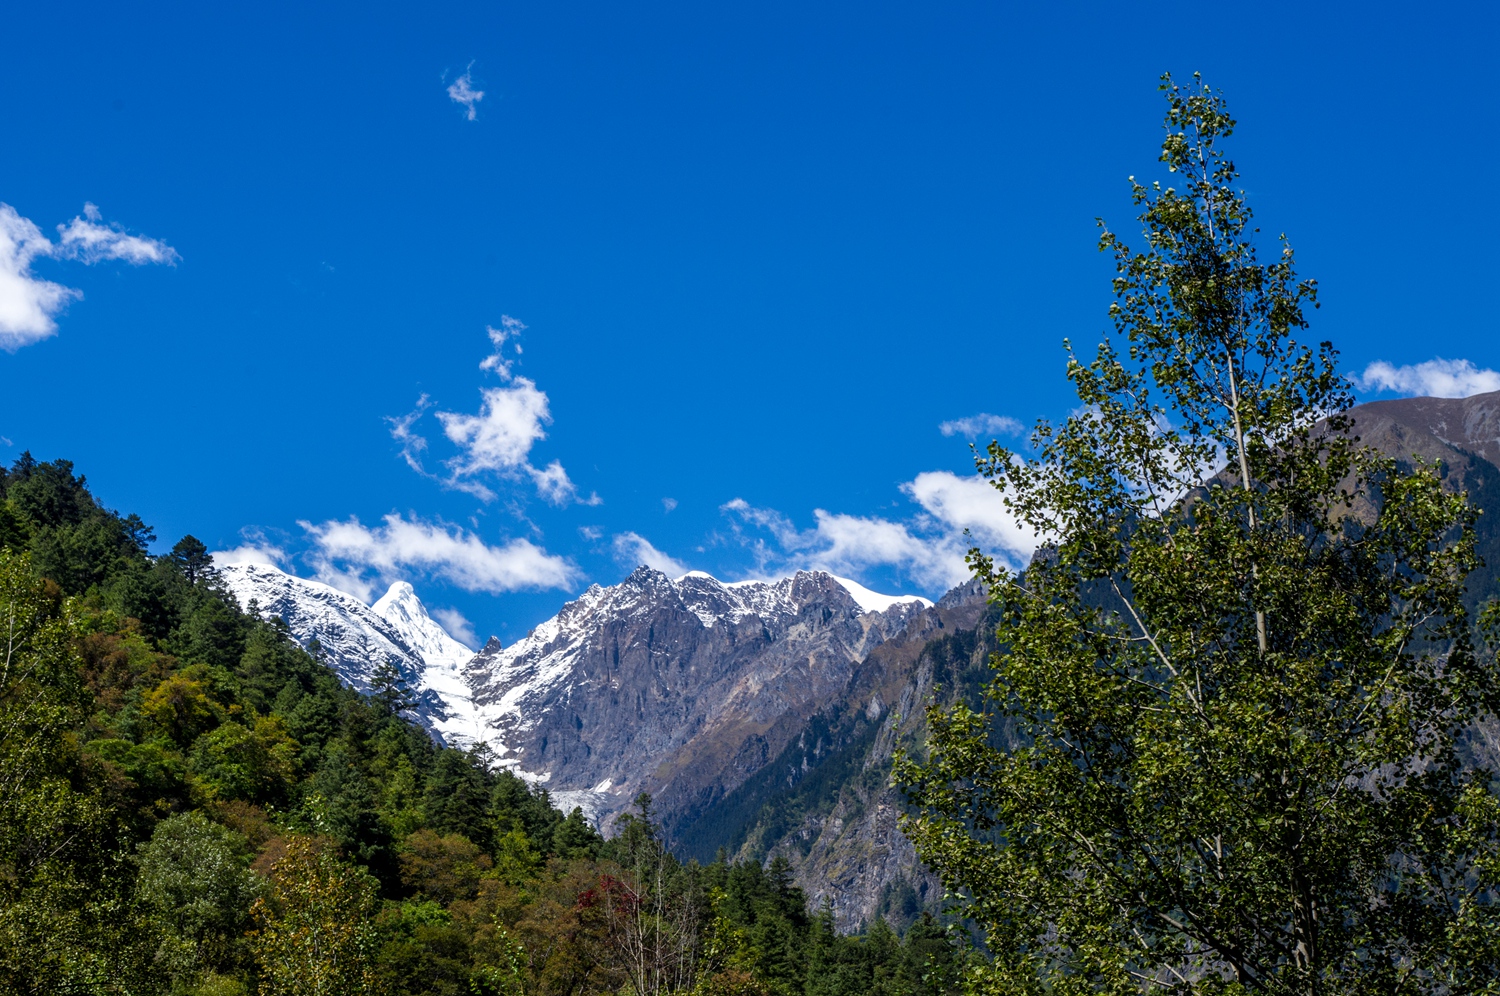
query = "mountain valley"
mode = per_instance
[{"x": 760, "y": 716}]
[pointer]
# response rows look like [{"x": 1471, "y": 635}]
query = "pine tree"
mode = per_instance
[{"x": 193, "y": 559}]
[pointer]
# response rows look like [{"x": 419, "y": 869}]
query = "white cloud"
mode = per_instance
[
  {"x": 929, "y": 547},
  {"x": 412, "y": 445},
  {"x": 668, "y": 504},
  {"x": 29, "y": 304},
  {"x": 251, "y": 553},
  {"x": 86, "y": 239},
  {"x": 346, "y": 553},
  {"x": 1437, "y": 378},
  {"x": 971, "y": 502},
  {"x": 510, "y": 328},
  {"x": 457, "y": 626},
  {"x": 590, "y": 533},
  {"x": 552, "y": 483},
  {"x": 850, "y": 544},
  {"x": 498, "y": 440},
  {"x": 633, "y": 549},
  {"x": 461, "y": 91},
  {"x": 983, "y": 424}
]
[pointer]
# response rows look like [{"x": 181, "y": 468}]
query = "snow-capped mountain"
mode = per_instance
[
  {"x": 355, "y": 639},
  {"x": 682, "y": 688}
]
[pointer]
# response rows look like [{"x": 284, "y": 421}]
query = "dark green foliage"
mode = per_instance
[
  {"x": 192, "y": 773},
  {"x": 196, "y": 883},
  {"x": 574, "y": 838},
  {"x": 457, "y": 798},
  {"x": 66, "y": 917}
]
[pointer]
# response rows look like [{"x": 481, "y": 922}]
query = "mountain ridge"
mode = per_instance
[
  {"x": 762, "y": 715},
  {"x": 750, "y": 654}
]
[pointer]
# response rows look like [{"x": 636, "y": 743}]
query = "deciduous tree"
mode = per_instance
[
  {"x": 315, "y": 931},
  {"x": 1240, "y": 674}
]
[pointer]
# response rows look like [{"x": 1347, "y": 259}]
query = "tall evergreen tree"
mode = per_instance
[{"x": 193, "y": 559}]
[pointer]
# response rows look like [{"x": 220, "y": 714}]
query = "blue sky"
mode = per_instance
[{"x": 762, "y": 253}]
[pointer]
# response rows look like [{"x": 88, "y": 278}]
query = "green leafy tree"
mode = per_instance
[
  {"x": 1239, "y": 697},
  {"x": 256, "y": 763},
  {"x": 442, "y": 867},
  {"x": 195, "y": 877},
  {"x": 315, "y": 931}
]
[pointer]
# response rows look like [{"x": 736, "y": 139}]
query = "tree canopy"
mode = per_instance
[{"x": 1227, "y": 746}]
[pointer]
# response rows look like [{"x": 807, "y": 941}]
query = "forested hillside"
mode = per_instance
[{"x": 190, "y": 803}]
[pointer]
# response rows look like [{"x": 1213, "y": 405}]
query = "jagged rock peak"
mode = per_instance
[
  {"x": 971, "y": 591},
  {"x": 674, "y": 685}
]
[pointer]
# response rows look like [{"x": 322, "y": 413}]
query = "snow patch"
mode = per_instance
[{"x": 873, "y": 601}]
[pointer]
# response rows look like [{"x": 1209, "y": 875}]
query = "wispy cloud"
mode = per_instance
[
  {"x": 1436, "y": 378},
  {"x": 496, "y": 442},
  {"x": 461, "y": 91},
  {"x": 509, "y": 332},
  {"x": 88, "y": 240},
  {"x": 251, "y": 553},
  {"x": 929, "y": 546},
  {"x": 458, "y": 626},
  {"x": 412, "y": 444},
  {"x": 668, "y": 504},
  {"x": 29, "y": 304},
  {"x": 633, "y": 549},
  {"x": 349, "y": 555},
  {"x": 983, "y": 424}
]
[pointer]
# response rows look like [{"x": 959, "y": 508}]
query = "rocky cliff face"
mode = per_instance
[
  {"x": 826, "y": 802},
  {"x": 1462, "y": 437},
  {"x": 680, "y": 688},
  {"x": 1470, "y": 425}
]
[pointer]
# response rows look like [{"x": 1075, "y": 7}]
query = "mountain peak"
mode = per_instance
[
  {"x": 358, "y": 638},
  {"x": 400, "y": 601},
  {"x": 399, "y": 590},
  {"x": 405, "y": 612}
]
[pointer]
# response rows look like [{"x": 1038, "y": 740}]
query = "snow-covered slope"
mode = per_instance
[
  {"x": 356, "y": 638},
  {"x": 443, "y": 658},
  {"x": 680, "y": 687}
]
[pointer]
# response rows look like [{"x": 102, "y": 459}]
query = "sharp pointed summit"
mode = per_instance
[{"x": 356, "y": 639}]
